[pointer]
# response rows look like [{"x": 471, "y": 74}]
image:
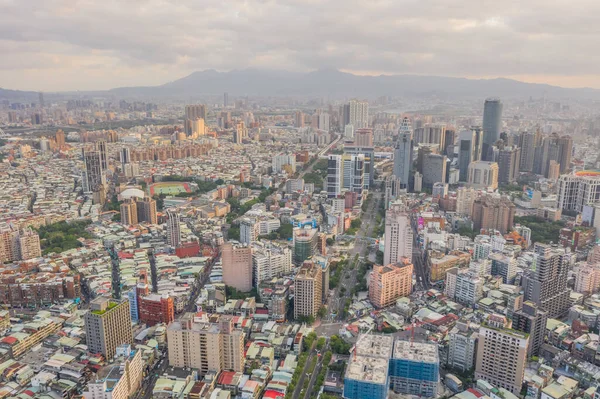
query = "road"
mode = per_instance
[
  {"x": 145, "y": 392},
  {"x": 419, "y": 258},
  {"x": 312, "y": 354}
]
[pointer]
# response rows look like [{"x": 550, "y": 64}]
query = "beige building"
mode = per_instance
[
  {"x": 9, "y": 243},
  {"x": 465, "y": 196},
  {"x": 129, "y": 213},
  {"x": 493, "y": 212},
  {"x": 308, "y": 290},
  {"x": 197, "y": 343},
  {"x": 388, "y": 283},
  {"x": 483, "y": 175},
  {"x": 29, "y": 245},
  {"x": 237, "y": 266},
  {"x": 146, "y": 211},
  {"x": 120, "y": 380},
  {"x": 108, "y": 325},
  {"x": 398, "y": 235},
  {"x": 501, "y": 356}
]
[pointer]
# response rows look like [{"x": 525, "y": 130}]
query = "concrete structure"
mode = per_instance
[
  {"x": 493, "y": 212},
  {"x": 461, "y": 347},
  {"x": 531, "y": 320},
  {"x": 414, "y": 369},
  {"x": 146, "y": 211},
  {"x": 269, "y": 261},
  {"x": 388, "y": 283},
  {"x": 108, "y": 325},
  {"x": 469, "y": 150},
  {"x": 305, "y": 244},
  {"x": 403, "y": 155},
  {"x": 284, "y": 163},
  {"x": 464, "y": 286},
  {"x": 308, "y": 290},
  {"x": 509, "y": 159},
  {"x": 483, "y": 175},
  {"x": 129, "y": 213},
  {"x": 120, "y": 380},
  {"x": 358, "y": 114},
  {"x": 492, "y": 124},
  {"x": 156, "y": 309},
  {"x": 587, "y": 278},
  {"x": 578, "y": 189},
  {"x": 205, "y": 346},
  {"x": 29, "y": 244},
  {"x": 398, "y": 235},
  {"x": 528, "y": 142},
  {"x": 465, "y": 196},
  {"x": 335, "y": 176},
  {"x": 237, "y": 266},
  {"x": 434, "y": 169},
  {"x": 431, "y": 133},
  {"x": 504, "y": 266},
  {"x": 173, "y": 228},
  {"x": 363, "y": 137},
  {"x": 501, "y": 357}
]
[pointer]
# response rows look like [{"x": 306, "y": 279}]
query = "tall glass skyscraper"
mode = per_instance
[{"x": 492, "y": 124}]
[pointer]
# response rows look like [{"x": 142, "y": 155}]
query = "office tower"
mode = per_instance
[
  {"x": 508, "y": 164},
  {"x": 101, "y": 148},
  {"x": 269, "y": 261},
  {"x": 199, "y": 344},
  {"x": 125, "y": 156},
  {"x": 388, "y": 283},
  {"x": 501, "y": 357},
  {"x": 464, "y": 286},
  {"x": 344, "y": 112},
  {"x": 578, "y": 189},
  {"x": 156, "y": 309},
  {"x": 367, "y": 374},
  {"x": 305, "y": 244},
  {"x": 528, "y": 143},
  {"x": 532, "y": 321},
  {"x": 129, "y": 212},
  {"x": 195, "y": 111},
  {"x": 354, "y": 175},
  {"x": 93, "y": 170},
  {"x": 29, "y": 244},
  {"x": 398, "y": 235},
  {"x": 120, "y": 380},
  {"x": 308, "y": 290},
  {"x": 41, "y": 98},
  {"x": 545, "y": 284},
  {"x": 12, "y": 117},
  {"x": 565, "y": 145},
  {"x": 358, "y": 114},
  {"x": 392, "y": 190},
  {"x": 493, "y": 212},
  {"x": 173, "y": 228},
  {"x": 60, "y": 139},
  {"x": 469, "y": 150},
  {"x": 433, "y": 134},
  {"x": 415, "y": 369},
  {"x": 483, "y": 175},
  {"x": 449, "y": 140},
  {"x": 299, "y": 119},
  {"x": 465, "y": 196},
  {"x": 107, "y": 325},
  {"x": 403, "y": 156},
  {"x": 249, "y": 231},
  {"x": 197, "y": 127},
  {"x": 146, "y": 211},
  {"x": 284, "y": 163},
  {"x": 434, "y": 169},
  {"x": 225, "y": 100},
  {"x": 363, "y": 137},
  {"x": 237, "y": 266},
  {"x": 492, "y": 124},
  {"x": 37, "y": 119},
  {"x": 335, "y": 176},
  {"x": 504, "y": 266},
  {"x": 461, "y": 347},
  {"x": 369, "y": 161},
  {"x": 132, "y": 297}
]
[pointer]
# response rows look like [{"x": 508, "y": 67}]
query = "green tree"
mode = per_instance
[
  {"x": 322, "y": 312},
  {"x": 286, "y": 231}
]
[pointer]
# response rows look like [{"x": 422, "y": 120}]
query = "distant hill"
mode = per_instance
[
  {"x": 333, "y": 83},
  {"x": 18, "y": 95}
]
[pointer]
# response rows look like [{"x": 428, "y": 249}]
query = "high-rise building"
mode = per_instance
[
  {"x": 197, "y": 127},
  {"x": 469, "y": 150},
  {"x": 363, "y": 137},
  {"x": 464, "y": 286},
  {"x": 415, "y": 369},
  {"x": 101, "y": 148},
  {"x": 565, "y": 150},
  {"x": 531, "y": 320},
  {"x": 461, "y": 347},
  {"x": 284, "y": 163},
  {"x": 308, "y": 290},
  {"x": 125, "y": 156},
  {"x": 60, "y": 139},
  {"x": 120, "y": 380},
  {"x": 388, "y": 283},
  {"x": 29, "y": 244},
  {"x": 9, "y": 243},
  {"x": 504, "y": 266},
  {"x": 269, "y": 261},
  {"x": 354, "y": 175},
  {"x": 305, "y": 244},
  {"x": 434, "y": 169},
  {"x": 225, "y": 100},
  {"x": 156, "y": 309},
  {"x": 195, "y": 111},
  {"x": 465, "y": 196},
  {"x": 41, "y": 98},
  {"x": 493, "y": 212},
  {"x": 108, "y": 325},
  {"x": 392, "y": 190},
  {"x": 508, "y": 164},
  {"x": 398, "y": 235},
  {"x": 367, "y": 374},
  {"x": 299, "y": 119},
  {"x": 483, "y": 175},
  {"x": 173, "y": 228},
  {"x": 369, "y": 163},
  {"x": 528, "y": 142},
  {"x": 93, "y": 170},
  {"x": 335, "y": 176},
  {"x": 358, "y": 114},
  {"x": 237, "y": 266},
  {"x": 206, "y": 346},
  {"x": 587, "y": 278},
  {"x": 403, "y": 158},
  {"x": 146, "y": 211},
  {"x": 545, "y": 283},
  {"x": 578, "y": 189},
  {"x": 501, "y": 356},
  {"x": 492, "y": 125},
  {"x": 432, "y": 134},
  {"x": 129, "y": 212}
]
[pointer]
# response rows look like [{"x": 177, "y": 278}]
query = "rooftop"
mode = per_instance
[
  {"x": 415, "y": 351},
  {"x": 368, "y": 369},
  {"x": 375, "y": 345}
]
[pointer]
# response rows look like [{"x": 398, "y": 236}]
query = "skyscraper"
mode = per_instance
[
  {"x": 60, "y": 139},
  {"x": 565, "y": 150},
  {"x": 237, "y": 266},
  {"x": 225, "y": 100},
  {"x": 545, "y": 284},
  {"x": 493, "y": 212},
  {"x": 469, "y": 150},
  {"x": 508, "y": 164},
  {"x": 434, "y": 169},
  {"x": 173, "y": 228},
  {"x": 129, "y": 212},
  {"x": 146, "y": 211},
  {"x": 308, "y": 290},
  {"x": 306, "y": 241},
  {"x": 101, "y": 148},
  {"x": 398, "y": 235},
  {"x": 193, "y": 112},
  {"x": 93, "y": 170},
  {"x": 492, "y": 124},
  {"x": 578, "y": 189},
  {"x": 528, "y": 143},
  {"x": 403, "y": 154},
  {"x": 483, "y": 175},
  {"x": 358, "y": 114},
  {"x": 531, "y": 320},
  {"x": 432, "y": 133},
  {"x": 363, "y": 137},
  {"x": 335, "y": 176},
  {"x": 108, "y": 325}
]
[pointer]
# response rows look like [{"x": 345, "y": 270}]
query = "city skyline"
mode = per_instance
[{"x": 74, "y": 46}]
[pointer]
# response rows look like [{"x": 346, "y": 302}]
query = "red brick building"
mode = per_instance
[{"x": 156, "y": 309}]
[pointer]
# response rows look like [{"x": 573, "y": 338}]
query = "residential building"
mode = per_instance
[
  {"x": 237, "y": 266},
  {"x": 173, "y": 228},
  {"x": 403, "y": 158},
  {"x": 335, "y": 176},
  {"x": 108, "y": 325},
  {"x": 269, "y": 261},
  {"x": 367, "y": 374},
  {"x": 146, "y": 211},
  {"x": 120, "y": 380},
  {"x": 528, "y": 143},
  {"x": 578, "y": 189},
  {"x": 465, "y": 197},
  {"x": 415, "y": 369},
  {"x": 508, "y": 164},
  {"x": 388, "y": 283},
  {"x": 156, "y": 309},
  {"x": 129, "y": 212},
  {"x": 284, "y": 163},
  {"x": 434, "y": 169},
  {"x": 29, "y": 244},
  {"x": 469, "y": 150},
  {"x": 587, "y": 278},
  {"x": 306, "y": 241},
  {"x": 461, "y": 347},
  {"x": 504, "y": 266},
  {"x": 483, "y": 175},
  {"x": 308, "y": 290},
  {"x": 398, "y": 235},
  {"x": 532, "y": 321},
  {"x": 464, "y": 286},
  {"x": 433, "y": 134},
  {"x": 358, "y": 114},
  {"x": 493, "y": 212}
]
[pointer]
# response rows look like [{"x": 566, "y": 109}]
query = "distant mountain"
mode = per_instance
[
  {"x": 333, "y": 83},
  {"x": 18, "y": 95}
]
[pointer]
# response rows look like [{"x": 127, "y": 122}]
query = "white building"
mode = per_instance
[
  {"x": 359, "y": 114},
  {"x": 398, "y": 235},
  {"x": 282, "y": 160},
  {"x": 335, "y": 176},
  {"x": 578, "y": 189},
  {"x": 173, "y": 228},
  {"x": 465, "y": 196},
  {"x": 483, "y": 175},
  {"x": 270, "y": 261}
]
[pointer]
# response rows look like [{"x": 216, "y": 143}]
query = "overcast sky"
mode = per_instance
[{"x": 55, "y": 45}]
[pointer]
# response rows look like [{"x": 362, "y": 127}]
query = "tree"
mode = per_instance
[
  {"x": 339, "y": 346},
  {"x": 379, "y": 257},
  {"x": 322, "y": 312},
  {"x": 321, "y": 343},
  {"x": 330, "y": 241},
  {"x": 233, "y": 233},
  {"x": 542, "y": 231},
  {"x": 306, "y": 319},
  {"x": 309, "y": 339},
  {"x": 286, "y": 231},
  {"x": 355, "y": 224}
]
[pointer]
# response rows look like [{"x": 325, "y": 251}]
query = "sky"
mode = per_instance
[{"x": 65, "y": 45}]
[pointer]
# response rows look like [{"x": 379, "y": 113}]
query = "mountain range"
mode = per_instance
[{"x": 332, "y": 83}]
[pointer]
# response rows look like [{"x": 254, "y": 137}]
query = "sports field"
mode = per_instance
[{"x": 169, "y": 188}]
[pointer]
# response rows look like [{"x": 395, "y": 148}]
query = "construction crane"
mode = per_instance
[{"x": 353, "y": 350}]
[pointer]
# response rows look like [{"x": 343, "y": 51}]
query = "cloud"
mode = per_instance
[{"x": 92, "y": 44}]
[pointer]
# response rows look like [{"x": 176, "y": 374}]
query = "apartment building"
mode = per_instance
[
  {"x": 237, "y": 266},
  {"x": 308, "y": 290},
  {"x": 388, "y": 283},
  {"x": 108, "y": 325}
]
